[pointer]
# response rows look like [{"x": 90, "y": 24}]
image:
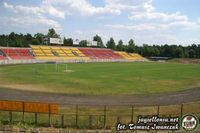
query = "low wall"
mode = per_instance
[{"x": 6, "y": 62}]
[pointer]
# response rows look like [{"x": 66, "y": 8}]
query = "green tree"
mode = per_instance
[
  {"x": 28, "y": 37},
  {"x": 68, "y": 42},
  {"x": 167, "y": 50},
  {"x": 111, "y": 44},
  {"x": 146, "y": 50},
  {"x": 178, "y": 52},
  {"x": 195, "y": 48},
  {"x": 52, "y": 33},
  {"x": 83, "y": 43},
  {"x": 99, "y": 41},
  {"x": 131, "y": 46},
  {"x": 35, "y": 41},
  {"x": 198, "y": 51},
  {"x": 120, "y": 46},
  {"x": 191, "y": 53},
  {"x": 39, "y": 37},
  {"x": 3, "y": 40},
  {"x": 12, "y": 40}
]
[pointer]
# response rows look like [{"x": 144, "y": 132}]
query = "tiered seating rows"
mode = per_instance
[
  {"x": 17, "y": 53},
  {"x": 53, "y": 52},
  {"x": 2, "y": 57},
  {"x": 136, "y": 56},
  {"x": 95, "y": 53},
  {"x": 58, "y": 52},
  {"x": 127, "y": 56}
]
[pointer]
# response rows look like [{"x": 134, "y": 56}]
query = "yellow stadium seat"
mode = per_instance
[
  {"x": 129, "y": 56},
  {"x": 45, "y": 47},
  {"x": 74, "y": 49},
  {"x": 58, "y": 53},
  {"x": 55, "y": 48},
  {"x": 68, "y": 51}
]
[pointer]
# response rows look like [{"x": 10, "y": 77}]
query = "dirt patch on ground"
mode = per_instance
[
  {"x": 187, "y": 61},
  {"x": 23, "y": 87},
  {"x": 68, "y": 71},
  {"x": 191, "y": 95}
]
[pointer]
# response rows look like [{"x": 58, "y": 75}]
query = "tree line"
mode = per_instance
[{"x": 174, "y": 51}]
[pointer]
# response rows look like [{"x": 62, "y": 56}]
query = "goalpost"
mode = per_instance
[{"x": 57, "y": 67}]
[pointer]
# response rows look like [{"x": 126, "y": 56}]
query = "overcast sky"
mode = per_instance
[{"x": 146, "y": 21}]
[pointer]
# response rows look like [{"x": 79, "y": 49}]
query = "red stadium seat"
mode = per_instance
[
  {"x": 18, "y": 53},
  {"x": 97, "y": 53},
  {"x": 2, "y": 57}
]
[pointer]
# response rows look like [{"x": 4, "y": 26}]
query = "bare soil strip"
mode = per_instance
[{"x": 190, "y": 95}]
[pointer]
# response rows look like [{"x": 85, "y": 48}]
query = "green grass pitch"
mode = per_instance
[{"x": 101, "y": 78}]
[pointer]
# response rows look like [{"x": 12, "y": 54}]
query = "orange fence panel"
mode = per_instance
[
  {"x": 54, "y": 108},
  {"x": 36, "y": 107},
  {"x": 11, "y": 105},
  {"x": 32, "y": 107}
]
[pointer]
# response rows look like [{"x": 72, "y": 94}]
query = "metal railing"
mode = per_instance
[{"x": 98, "y": 117}]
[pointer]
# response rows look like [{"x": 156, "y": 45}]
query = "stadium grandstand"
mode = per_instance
[
  {"x": 16, "y": 53},
  {"x": 95, "y": 53},
  {"x": 2, "y": 56},
  {"x": 131, "y": 56},
  {"x": 61, "y": 53}
]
